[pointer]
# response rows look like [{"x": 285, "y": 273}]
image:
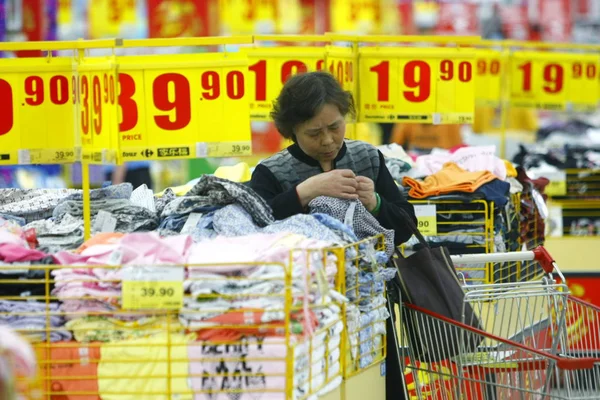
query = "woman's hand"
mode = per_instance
[
  {"x": 340, "y": 183},
  {"x": 366, "y": 192}
]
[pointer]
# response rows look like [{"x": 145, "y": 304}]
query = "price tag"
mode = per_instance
[
  {"x": 270, "y": 68},
  {"x": 36, "y": 111},
  {"x": 168, "y": 104},
  {"x": 490, "y": 66},
  {"x": 554, "y": 81},
  {"x": 96, "y": 109},
  {"x": 430, "y": 85},
  {"x": 156, "y": 287},
  {"x": 342, "y": 63},
  {"x": 557, "y": 185},
  {"x": 427, "y": 220}
]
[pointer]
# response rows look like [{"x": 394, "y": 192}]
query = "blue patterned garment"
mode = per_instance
[
  {"x": 222, "y": 192},
  {"x": 113, "y": 192},
  {"x": 233, "y": 220},
  {"x": 363, "y": 223}
]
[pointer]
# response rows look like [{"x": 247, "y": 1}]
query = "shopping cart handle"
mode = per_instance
[{"x": 544, "y": 258}]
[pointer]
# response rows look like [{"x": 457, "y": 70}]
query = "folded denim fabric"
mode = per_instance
[{"x": 221, "y": 192}]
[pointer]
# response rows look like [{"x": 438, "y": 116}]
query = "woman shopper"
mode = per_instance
[{"x": 311, "y": 111}]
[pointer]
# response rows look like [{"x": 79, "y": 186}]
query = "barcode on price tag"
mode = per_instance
[
  {"x": 426, "y": 217},
  {"x": 152, "y": 287}
]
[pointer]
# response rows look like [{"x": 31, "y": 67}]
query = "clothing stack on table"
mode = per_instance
[
  {"x": 34, "y": 318},
  {"x": 222, "y": 222},
  {"x": 470, "y": 187}
]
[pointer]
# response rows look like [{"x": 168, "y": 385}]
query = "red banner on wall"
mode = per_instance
[
  {"x": 515, "y": 22},
  {"x": 458, "y": 19},
  {"x": 34, "y": 25},
  {"x": 555, "y": 18},
  {"x": 182, "y": 18}
]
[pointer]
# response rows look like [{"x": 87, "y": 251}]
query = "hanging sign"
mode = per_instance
[
  {"x": 183, "y": 106},
  {"x": 96, "y": 112},
  {"x": 36, "y": 111},
  {"x": 554, "y": 81},
  {"x": 489, "y": 67},
  {"x": 356, "y": 16},
  {"x": 418, "y": 85},
  {"x": 107, "y": 17},
  {"x": 270, "y": 68},
  {"x": 249, "y": 16}
]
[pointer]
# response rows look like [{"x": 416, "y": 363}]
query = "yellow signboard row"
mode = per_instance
[{"x": 123, "y": 108}]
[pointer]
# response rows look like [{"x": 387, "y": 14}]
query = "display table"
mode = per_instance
[{"x": 368, "y": 384}]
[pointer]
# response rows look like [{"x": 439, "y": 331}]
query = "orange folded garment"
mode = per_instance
[
  {"x": 100, "y": 238},
  {"x": 451, "y": 178}
]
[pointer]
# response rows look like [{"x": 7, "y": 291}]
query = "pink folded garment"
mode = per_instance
[
  {"x": 135, "y": 248},
  {"x": 10, "y": 253}
]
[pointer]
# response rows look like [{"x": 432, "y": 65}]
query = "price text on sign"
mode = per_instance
[
  {"x": 36, "y": 111},
  {"x": 426, "y": 218},
  {"x": 554, "y": 81},
  {"x": 416, "y": 85},
  {"x": 169, "y": 104},
  {"x": 341, "y": 63},
  {"x": 152, "y": 288},
  {"x": 152, "y": 295},
  {"x": 95, "y": 94},
  {"x": 489, "y": 66},
  {"x": 269, "y": 69}
]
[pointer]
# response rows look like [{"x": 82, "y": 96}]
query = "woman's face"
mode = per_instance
[{"x": 322, "y": 136}]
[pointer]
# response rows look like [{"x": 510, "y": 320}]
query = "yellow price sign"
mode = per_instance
[
  {"x": 108, "y": 16},
  {"x": 356, "y": 16},
  {"x": 270, "y": 68},
  {"x": 554, "y": 81},
  {"x": 557, "y": 185},
  {"x": 171, "y": 106},
  {"x": 426, "y": 219},
  {"x": 490, "y": 65},
  {"x": 36, "y": 111},
  {"x": 416, "y": 85},
  {"x": 341, "y": 62},
  {"x": 97, "y": 109},
  {"x": 153, "y": 287}
]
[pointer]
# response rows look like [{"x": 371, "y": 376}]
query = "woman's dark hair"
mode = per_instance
[{"x": 303, "y": 96}]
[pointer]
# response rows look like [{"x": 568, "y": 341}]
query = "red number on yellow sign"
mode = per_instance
[
  {"x": 483, "y": 68},
  {"x": 34, "y": 88},
  {"x": 288, "y": 69},
  {"x": 92, "y": 91},
  {"x": 342, "y": 70},
  {"x": 553, "y": 77},
  {"x": 590, "y": 70},
  {"x": 417, "y": 76},
  {"x": 181, "y": 103},
  {"x": 6, "y": 104}
]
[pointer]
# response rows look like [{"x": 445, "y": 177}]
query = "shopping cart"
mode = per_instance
[{"x": 537, "y": 341}]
